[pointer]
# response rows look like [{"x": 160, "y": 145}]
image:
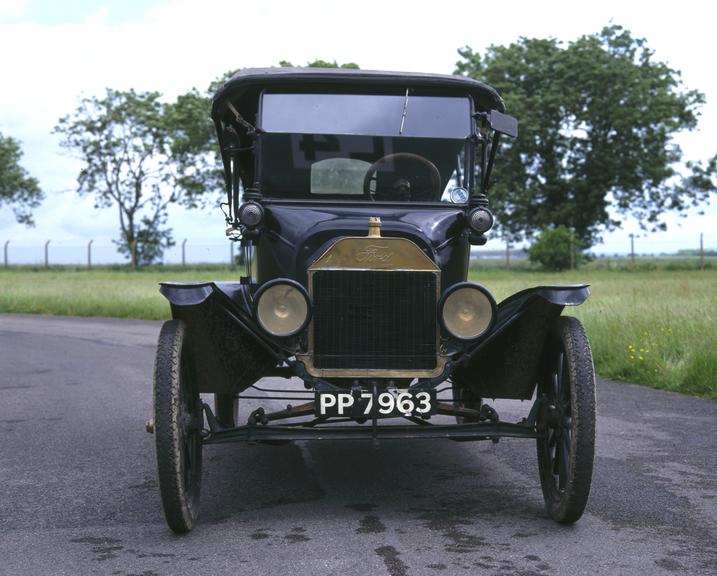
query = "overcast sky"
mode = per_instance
[{"x": 54, "y": 52}]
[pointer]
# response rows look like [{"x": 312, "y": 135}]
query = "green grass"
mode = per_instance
[
  {"x": 104, "y": 291},
  {"x": 650, "y": 325}
]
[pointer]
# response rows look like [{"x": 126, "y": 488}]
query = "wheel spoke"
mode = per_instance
[
  {"x": 559, "y": 376},
  {"x": 554, "y": 457},
  {"x": 555, "y": 387},
  {"x": 563, "y": 460},
  {"x": 566, "y": 438},
  {"x": 186, "y": 464},
  {"x": 190, "y": 464}
]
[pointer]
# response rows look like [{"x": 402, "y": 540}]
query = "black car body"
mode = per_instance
[{"x": 356, "y": 197}]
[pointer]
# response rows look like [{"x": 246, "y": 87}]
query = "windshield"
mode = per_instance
[
  {"x": 379, "y": 147},
  {"x": 367, "y": 114}
]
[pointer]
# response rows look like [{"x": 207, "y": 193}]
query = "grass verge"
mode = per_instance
[{"x": 652, "y": 327}]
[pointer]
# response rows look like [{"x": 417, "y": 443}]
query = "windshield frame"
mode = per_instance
[{"x": 465, "y": 178}]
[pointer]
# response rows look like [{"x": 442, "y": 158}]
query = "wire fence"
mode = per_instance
[
  {"x": 634, "y": 250},
  {"x": 103, "y": 253},
  {"x": 188, "y": 253}
]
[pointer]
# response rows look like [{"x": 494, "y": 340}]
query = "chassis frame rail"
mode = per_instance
[{"x": 471, "y": 431}]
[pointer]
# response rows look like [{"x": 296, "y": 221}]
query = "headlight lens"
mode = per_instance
[
  {"x": 467, "y": 311},
  {"x": 282, "y": 307},
  {"x": 251, "y": 214},
  {"x": 480, "y": 219}
]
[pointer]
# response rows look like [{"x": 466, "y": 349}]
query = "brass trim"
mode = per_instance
[
  {"x": 308, "y": 361},
  {"x": 374, "y": 227},
  {"x": 373, "y": 253}
]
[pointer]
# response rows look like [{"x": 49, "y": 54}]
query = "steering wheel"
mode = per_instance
[{"x": 432, "y": 170}]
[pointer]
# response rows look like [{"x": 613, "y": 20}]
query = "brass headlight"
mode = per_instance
[
  {"x": 282, "y": 307},
  {"x": 467, "y": 311}
]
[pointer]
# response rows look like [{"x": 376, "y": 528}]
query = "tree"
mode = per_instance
[
  {"x": 214, "y": 85},
  {"x": 556, "y": 249},
  {"x": 702, "y": 177},
  {"x": 322, "y": 64},
  {"x": 18, "y": 189},
  {"x": 139, "y": 156},
  {"x": 597, "y": 121}
]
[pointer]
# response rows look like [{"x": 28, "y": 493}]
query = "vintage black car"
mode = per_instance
[{"x": 356, "y": 197}]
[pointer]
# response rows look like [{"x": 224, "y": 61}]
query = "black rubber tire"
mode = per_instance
[
  {"x": 566, "y": 434},
  {"x": 226, "y": 409},
  {"x": 177, "y": 428}
]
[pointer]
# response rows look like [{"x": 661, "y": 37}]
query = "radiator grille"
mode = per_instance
[{"x": 374, "y": 319}]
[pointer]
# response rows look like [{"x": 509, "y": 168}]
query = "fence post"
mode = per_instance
[
  {"x": 5, "y": 250},
  {"x": 632, "y": 250},
  {"x": 507, "y": 252},
  {"x": 89, "y": 254},
  {"x": 47, "y": 259},
  {"x": 184, "y": 261},
  {"x": 702, "y": 252},
  {"x": 231, "y": 254},
  {"x": 572, "y": 249}
]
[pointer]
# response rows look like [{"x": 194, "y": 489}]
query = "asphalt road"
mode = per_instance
[{"x": 78, "y": 493}]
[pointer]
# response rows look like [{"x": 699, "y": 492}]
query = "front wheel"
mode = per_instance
[
  {"x": 177, "y": 428},
  {"x": 566, "y": 422}
]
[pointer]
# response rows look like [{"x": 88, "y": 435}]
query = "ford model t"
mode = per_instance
[{"x": 356, "y": 197}]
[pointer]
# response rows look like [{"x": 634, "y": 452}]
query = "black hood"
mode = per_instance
[{"x": 295, "y": 234}]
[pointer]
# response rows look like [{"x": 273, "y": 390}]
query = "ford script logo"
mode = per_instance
[{"x": 374, "y": 253}]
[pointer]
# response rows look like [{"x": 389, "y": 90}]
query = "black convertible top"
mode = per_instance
[{"x": 243, "y": 88}]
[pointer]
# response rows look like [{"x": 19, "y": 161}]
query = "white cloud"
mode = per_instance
[
  {"x": 99, "y": 18},
  {"x": 12, "y": 8}
]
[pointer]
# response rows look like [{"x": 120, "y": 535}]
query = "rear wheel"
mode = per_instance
[
  {"x": 566, "y": 422},
  {"x": 226, "y": 409},
  {"x": 463, "y": 397},
  {"x": 178, "y": 423}
]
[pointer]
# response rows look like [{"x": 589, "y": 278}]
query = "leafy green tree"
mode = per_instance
[
  {"x": 194, "y": 149},
  {"x": 597, "y": 120},
  {"x": 702, "y": 178},
  {"x": 18, "y": 190},
  {"x": 139, "y": 156},
  {"x": 322, "y": 64},
  {"x": 556, "y": 249}
]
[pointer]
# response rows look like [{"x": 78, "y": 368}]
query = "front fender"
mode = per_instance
[
  {"x": 228, "y": 352},
  {"x": 506, "y": 363}
]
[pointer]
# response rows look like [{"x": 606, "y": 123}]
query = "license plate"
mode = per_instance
[{"x": 386, "y": 404}]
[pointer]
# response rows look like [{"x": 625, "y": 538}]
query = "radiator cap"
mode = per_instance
[{"x": 374, "y": 227}]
